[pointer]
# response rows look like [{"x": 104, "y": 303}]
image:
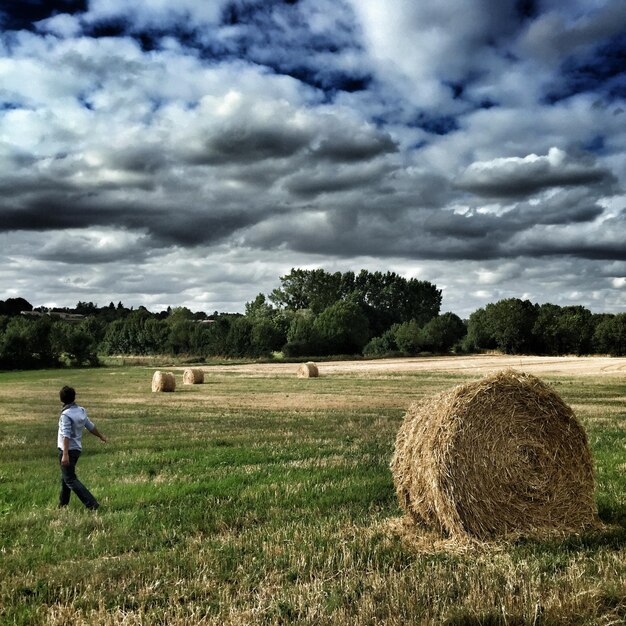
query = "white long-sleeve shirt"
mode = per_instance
[{"x": 72, "y": 420}]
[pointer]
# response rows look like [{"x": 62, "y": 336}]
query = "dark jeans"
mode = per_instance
[{"x": 69, "y": 483}]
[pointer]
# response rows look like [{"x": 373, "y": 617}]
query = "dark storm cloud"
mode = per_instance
[
  {"x": 360, "y": 148},
  {"x": 54, "y": 211},
  {"x": 579, "y": 244},
  {"x": 518, "y": 177},
  {"x": 241, "y": 144},
  {"x": 140, "y": 159},
  {"x": 325, "y": 180},
  {"x": 197, "y": 228},
  {"x": 356, "y": 226},
  {"x": 78, "y": 249},
  {"x": 371, "y": 235},
  {"x": 521, "y": 218},
  {"x": 169, "y": 224},
  {"x": 444, "y": 237}
]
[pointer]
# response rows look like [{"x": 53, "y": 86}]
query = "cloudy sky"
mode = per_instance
[{"x": 191, "y": 152}]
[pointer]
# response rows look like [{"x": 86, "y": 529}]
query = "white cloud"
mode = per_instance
[
  {"x": 156, "y": 13},
  {"x": 120, "y": 168},
  {"x": 560, "y": 32},
  {"x": 62, "y": 25}
]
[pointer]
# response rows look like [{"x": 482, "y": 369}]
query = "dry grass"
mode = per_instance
[{"x": 474, "y": 365}]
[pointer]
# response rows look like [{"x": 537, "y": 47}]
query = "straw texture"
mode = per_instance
[
  {"x": 308, "y": 370},
  {"x": 163, "y": 381},
  {"x": 498, "y": 456},
  {"x": 193, "y": 376}
]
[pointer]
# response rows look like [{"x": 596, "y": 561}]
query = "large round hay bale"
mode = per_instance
[
  {"x": 193, "y": 376},
  {"x": 163, "y": 381},
  {"x": 308, "y": 370},
  {"x": 498, "y": 456}
]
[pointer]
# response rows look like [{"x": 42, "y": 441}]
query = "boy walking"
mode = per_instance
[{"x": 72, "y": 420}]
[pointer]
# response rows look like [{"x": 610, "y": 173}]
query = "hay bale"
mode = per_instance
[
  {"x": 308, "y": 370},
  {"x": 163, "y": 381},
  {"x": 193, "y": 376},
  {"x": 498, "y": 456}
]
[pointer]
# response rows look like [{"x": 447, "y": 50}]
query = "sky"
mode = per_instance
[{"x": 190, "y": 153}]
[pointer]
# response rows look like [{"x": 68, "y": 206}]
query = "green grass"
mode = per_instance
[{"x": 268, "y": 500}]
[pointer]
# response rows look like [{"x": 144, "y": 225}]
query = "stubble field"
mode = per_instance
[{"x": 260, "y": 498}]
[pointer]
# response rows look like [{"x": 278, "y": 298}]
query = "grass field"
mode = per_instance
[{"x": 265, "y": 499}]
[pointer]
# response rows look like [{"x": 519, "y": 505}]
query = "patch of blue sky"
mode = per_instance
[
  {"x": 23, "y": 14},
  {"x": 526, "y": 9},
  {"x": 10, "y": 106},
  {"x": 595, "y": 145},
  {"x": 601, "y": 71},
  {"x": 435, "y": 124},
  {"x": 85, "y": 102}
]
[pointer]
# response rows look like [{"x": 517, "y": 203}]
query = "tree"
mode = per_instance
[
  {"x": 238, "y": 339},
  {"x": 211, "y": 339},
  {"x": 385, "y": 299},
  {"x": 610, "y": 335},
  {"x": 265, "y": 337},
  {"x": 26, "y": 343},
  {"x": 343, "y": 328},
  {"x": 269, "y": 326},
  {"x": 389, "y": 299},
  {"x": 510, "y": 323},
  {"x": 76, "y": 344},
  {"x": 301, "y": 327},
  {"x": 15, "y": 352},
  {"x": 303, "y": 338},
  {"x": 308, "y": 289},
  {"x": 479, "y": 335},
  {"x": 38, "y": 337},
  {"x": 442, "y": 333},
  {"x": 86, "y": 308},
  {"x": 14, "y": 306},
  {"x": 178, "y": 314},
  {"x": 575, "y": 328},
  {"x": 259, "y": 308},
  {"x": 408, "y": 338},
  {"x": 563, "y": 330},
  {"x": 383, "y": 345},
  {"x": 139, "y": 333},
  {"x": 180, "y": 336},
  {"x": 546, "y": 329}
]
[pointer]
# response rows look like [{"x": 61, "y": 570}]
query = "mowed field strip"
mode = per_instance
[
  {"x": 261, "y": 498},
  {"x": 467, "y": 365}
]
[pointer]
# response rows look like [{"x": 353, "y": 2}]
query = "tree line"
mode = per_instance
[{"x": 311, "y": 313}]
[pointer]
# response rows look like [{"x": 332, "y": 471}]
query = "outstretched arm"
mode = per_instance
[{"x": 98, "y": 434}]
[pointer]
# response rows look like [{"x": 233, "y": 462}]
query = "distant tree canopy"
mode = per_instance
[
  {"x": 14, "y": 306},
  {"x": 516, "y": 326},
  {"x": 312, "y": 313},
  {"x": 610, "y": 334},
  {"x": 385, "y": 299}
]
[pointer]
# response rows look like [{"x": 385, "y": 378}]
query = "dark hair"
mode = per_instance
[{"x": 67, "y": 395}]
